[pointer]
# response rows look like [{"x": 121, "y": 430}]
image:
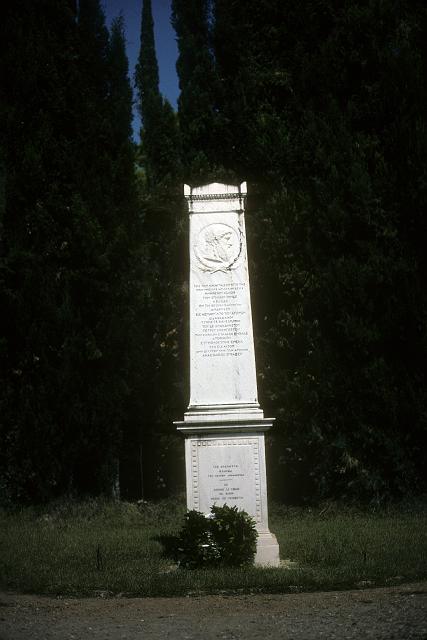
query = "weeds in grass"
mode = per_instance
[{"x": 73, "y": 548}]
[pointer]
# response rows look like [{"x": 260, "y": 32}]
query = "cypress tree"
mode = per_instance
[
  {"x": 108, "y": 262},
  {"x": 120, "y": 104},
  {"x": 159, "y": 133},
  {"x": 147, "y": 70},
  {"x": 238, "y": 86},
  {"x": 161, "y": 206},
  {"x": 69, "y": 252},
  {"x": 39, "y": 77},
  {"x": 129, "y": 259},
  {"x": 199, "y": 119},
  {"x": 319, "y": 100}
]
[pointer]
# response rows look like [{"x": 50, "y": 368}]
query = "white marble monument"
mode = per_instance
[{"x": 224, "y": 426}]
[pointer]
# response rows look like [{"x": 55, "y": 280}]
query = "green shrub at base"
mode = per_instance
[{"x": 227, "y": 537}]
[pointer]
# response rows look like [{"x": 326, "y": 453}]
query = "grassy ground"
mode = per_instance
[{"x": 111, "y": 547}]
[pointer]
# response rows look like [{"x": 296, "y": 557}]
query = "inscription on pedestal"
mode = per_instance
[{"x": 226, "y": 471}]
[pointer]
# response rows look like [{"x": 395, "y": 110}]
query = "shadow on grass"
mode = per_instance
[{"x": 170, "y": 546}]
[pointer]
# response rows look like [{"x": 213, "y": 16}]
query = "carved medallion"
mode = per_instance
[{"x": 218, "y": 247}]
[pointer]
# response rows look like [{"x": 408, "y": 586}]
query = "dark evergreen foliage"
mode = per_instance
[
  {"x": 68, "y": 253},
  {"x": 199, "y": 119},
  {"x": 344, "y": 278},
  {"x": 147, "y": 71},
  {"x": 227, "y": 537},
  {"x": 322, "y": 108},
  {"x": 159, "y": 134},
  {"x": 165, "y": 247}
]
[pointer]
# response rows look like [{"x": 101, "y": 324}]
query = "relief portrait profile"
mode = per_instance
[{"x": 218, "y": 247}]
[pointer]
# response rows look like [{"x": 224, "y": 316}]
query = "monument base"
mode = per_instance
[
  {"x": 267, "y": 551},
  {"x": 225, "y": 464}
]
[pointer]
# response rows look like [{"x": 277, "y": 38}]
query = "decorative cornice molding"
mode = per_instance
[{"x": 217, "y": 196}]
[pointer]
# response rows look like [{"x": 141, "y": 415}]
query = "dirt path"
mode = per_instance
[{"x": 387, "y": 613}]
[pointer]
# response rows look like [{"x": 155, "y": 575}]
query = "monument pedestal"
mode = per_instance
[
  {"x": 224, "y": 426},
  {"x": 225, "y": 464}
]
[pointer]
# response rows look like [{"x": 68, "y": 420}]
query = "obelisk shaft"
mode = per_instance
[{"x": 222, "y": 359}]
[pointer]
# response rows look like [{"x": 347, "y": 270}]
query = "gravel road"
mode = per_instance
[{"x": 385, "y": 613}]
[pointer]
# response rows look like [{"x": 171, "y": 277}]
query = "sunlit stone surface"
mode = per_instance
[
  {"x": 221, "y": 341},
  {"x": 224, "y": 426}
]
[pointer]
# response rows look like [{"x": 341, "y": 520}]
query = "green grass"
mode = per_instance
[{"x": 109, "y": 547}]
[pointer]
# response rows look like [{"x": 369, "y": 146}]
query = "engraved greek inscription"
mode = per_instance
[{"x": 222, "y": 330}]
